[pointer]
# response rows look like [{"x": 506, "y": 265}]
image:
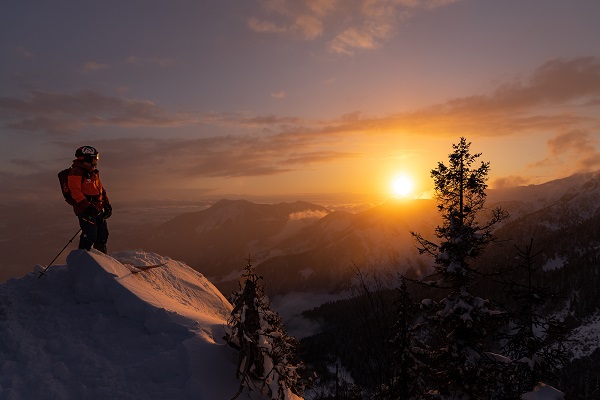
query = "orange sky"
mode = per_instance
[{"x": 283, "y": 97}]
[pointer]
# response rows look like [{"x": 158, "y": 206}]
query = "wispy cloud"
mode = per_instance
[
  {"x": 556, "y": 81},
  {"x": 160, "y": 164},
  {"x": 263, "y": 145},
  {"x": 559, "y": 96},
  {"x": 311, "y": 27},
  {"x": 510, "y": 181},
  {"x": 272, "y": 123},
  {"x": 363, "y": 37},
  {"x": 570, "y": 152},
  {"x": 60, "y": 113},
  {"x": 278, "y": 95},
  {"x": 347, "y": 25}
]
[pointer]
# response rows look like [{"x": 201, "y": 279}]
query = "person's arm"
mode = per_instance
[{"x": 74, "y": 181}]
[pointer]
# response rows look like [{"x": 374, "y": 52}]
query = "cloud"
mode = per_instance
[
  {"x": 271, "y": 123},
  {"x": 169, "y": 167},
  {"x": 510, "y": 181},
  {"x": 550, "y": 97},
  {"x": 180, "y": 162},
  {"x": 322, "y": 7},
  {"x": 431, "y": 4},
  {"x": 278, "y": 95},
  {"x": 309, "y": 26},
  {"x": 63, "y": 113},
  {"x": 570, "y": 152},
  {"x": 559, "y": 95},
  {"x": 574, "y": 140},
  {"x": 558, "y": 80},
  {"x": 348, "y": 25},
  {"x": 364, "y": 37},
  {"x": 534, "y": 105},
  {"x": 66, "y": 113},
  {"x": 308, "y": 158}
]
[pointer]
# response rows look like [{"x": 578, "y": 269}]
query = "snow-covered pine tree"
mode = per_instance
[
  {"x": 459, "y": 324},
  {"x": 535, "y": 341},
  {"x": 267, "y": 360}
]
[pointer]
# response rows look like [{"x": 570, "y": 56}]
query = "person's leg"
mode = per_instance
[
  {"x": 89, "y": 233},
  {"x": 102, "y": 235}
]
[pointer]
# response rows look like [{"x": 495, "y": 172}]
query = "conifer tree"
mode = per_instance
[
  {"x": 460, "y": 323},
  {"x": 535, "y": 341},
  {"x": 266, "y": 360}
]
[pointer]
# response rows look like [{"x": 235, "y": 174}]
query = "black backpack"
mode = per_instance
[{"x": 63, "y": 178}]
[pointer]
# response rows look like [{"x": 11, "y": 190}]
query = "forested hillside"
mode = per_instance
[{"x": 541, "y": 266}]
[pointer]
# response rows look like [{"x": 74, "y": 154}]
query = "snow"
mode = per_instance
[
  {"x": 499, "y": 358},
  {"x": 427, "y": 302},
  {"x": 585, "y": 337},
  {"x": 541, "y": 392},
  {"x": 92, "y": 329},
  {"x": 544, "y": 392},
  {"x": 554, "y": 263}
]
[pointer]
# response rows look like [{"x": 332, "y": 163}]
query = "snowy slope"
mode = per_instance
[
  {"x": 536, "y": 197},
  {"x": 585, "y": 337},
  {"x": 93, "y": 330}
]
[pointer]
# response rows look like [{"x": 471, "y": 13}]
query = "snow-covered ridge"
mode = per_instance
[
  {"x": 183, "y": 295},
  {"x": 92, "y": 329}
]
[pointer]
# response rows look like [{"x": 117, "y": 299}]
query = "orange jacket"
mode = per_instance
[{"x": 85, "y": 186}]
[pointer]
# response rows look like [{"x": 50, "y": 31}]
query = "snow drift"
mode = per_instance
[{"x": 94, "y": 329}]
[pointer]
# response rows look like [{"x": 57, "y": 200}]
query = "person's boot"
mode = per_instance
[{"x": 100, "y": 247}]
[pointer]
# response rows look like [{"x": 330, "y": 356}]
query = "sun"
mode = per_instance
[{"x": 402, "y": 186}]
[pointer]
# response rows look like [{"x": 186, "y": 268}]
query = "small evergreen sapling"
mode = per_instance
[{"x": 266, "y": 360}]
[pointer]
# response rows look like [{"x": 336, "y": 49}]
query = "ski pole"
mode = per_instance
[{"x": 63, "y": 249}]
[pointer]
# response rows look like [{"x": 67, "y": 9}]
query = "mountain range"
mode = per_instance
[
  {"x": 307, "y": 247},
  {"x": 297, "y": 246}
]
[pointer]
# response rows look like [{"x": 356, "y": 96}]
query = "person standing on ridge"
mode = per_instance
[{"x": 91, "y": 203}]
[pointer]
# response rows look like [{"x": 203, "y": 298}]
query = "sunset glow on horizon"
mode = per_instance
[{"x": 287, "y": 98}]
